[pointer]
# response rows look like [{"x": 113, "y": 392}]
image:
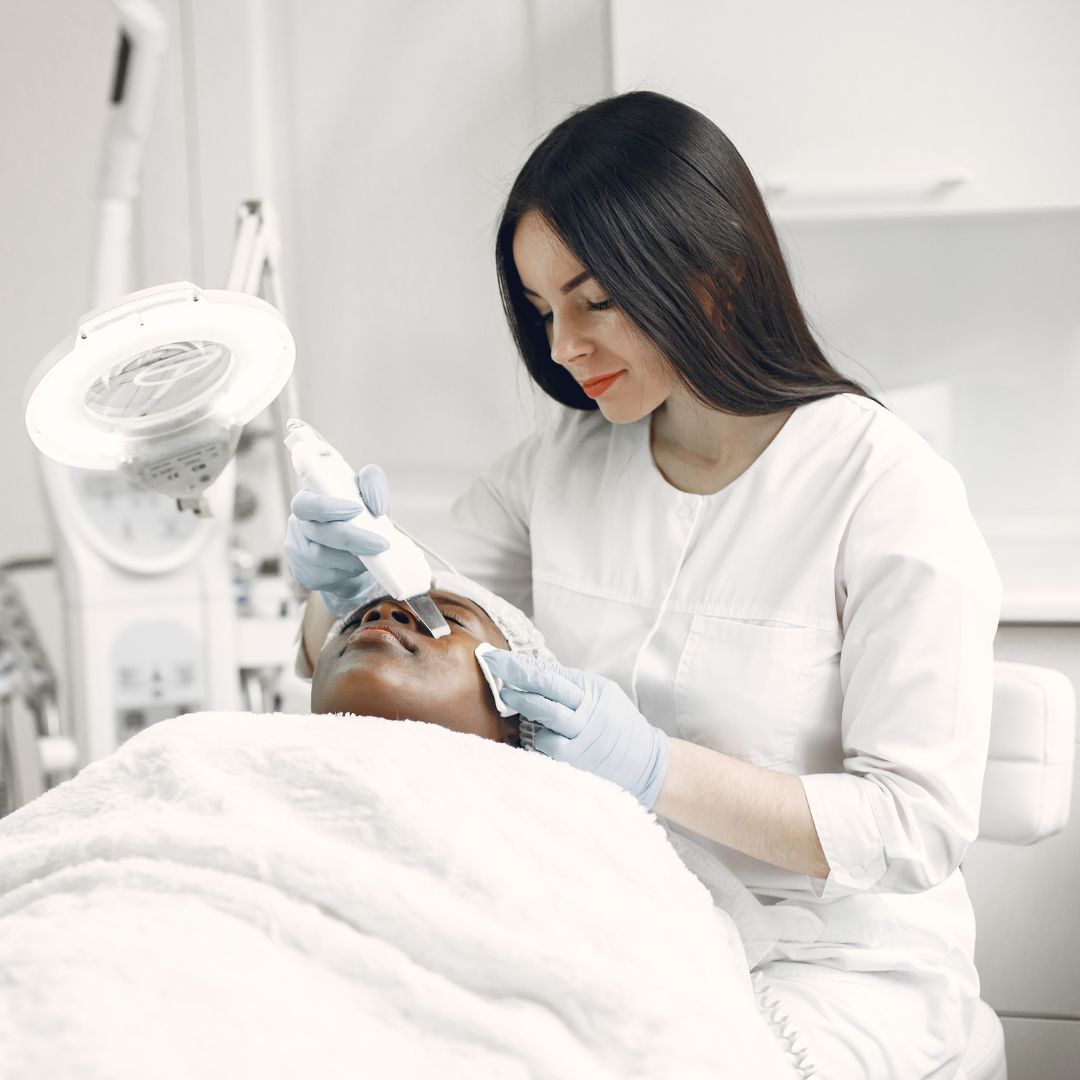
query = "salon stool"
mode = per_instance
[{"x": 1027, "y": 792}]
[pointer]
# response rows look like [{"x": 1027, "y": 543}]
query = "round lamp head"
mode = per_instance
[{"x": 160, "y": 385}]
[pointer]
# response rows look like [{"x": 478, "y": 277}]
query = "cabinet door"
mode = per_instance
[{"x": 843, "y": 108}]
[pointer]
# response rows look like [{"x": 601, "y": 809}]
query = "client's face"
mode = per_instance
[{"x": 383, "y": 663}]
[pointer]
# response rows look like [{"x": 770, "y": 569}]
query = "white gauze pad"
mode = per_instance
[{"x": 495, "y": 684}]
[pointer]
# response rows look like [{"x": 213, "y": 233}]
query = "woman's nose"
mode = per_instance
[
  {"x": 568, "y": 345},
  {"x": 388, "y": 609}
]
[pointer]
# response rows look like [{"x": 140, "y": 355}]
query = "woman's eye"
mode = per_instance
[
  {"x": 451, "y": 618},
  {"x": 591, "y": 305}
]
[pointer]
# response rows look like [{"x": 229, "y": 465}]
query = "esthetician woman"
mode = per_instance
[{"x": 778, "y": 607}]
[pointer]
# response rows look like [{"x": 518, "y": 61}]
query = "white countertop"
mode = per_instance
[{"x": 1041, "y": 575}]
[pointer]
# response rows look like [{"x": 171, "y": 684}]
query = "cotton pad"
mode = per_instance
[
  {"x": 493, "y": 681},
  {"x": 526, "y": 728}
]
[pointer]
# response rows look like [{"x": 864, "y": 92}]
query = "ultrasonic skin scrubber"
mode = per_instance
[{"x": 402, "y": 570}]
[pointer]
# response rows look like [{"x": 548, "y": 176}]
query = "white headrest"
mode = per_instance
[{"x": 1027, "y": 790}]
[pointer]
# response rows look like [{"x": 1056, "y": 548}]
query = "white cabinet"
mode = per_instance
[{"x": 843, "y": 108}]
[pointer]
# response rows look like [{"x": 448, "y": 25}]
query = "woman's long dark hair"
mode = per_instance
[{"x": 656, "y": 202}]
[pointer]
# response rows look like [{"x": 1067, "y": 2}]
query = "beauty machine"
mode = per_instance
[{"x": 139, "y": 413}]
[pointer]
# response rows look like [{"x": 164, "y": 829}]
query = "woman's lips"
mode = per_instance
[
  {"x": 595, "y": 387},
  {"x": 373, "y": 632}
]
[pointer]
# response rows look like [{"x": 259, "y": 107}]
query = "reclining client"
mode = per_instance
[{"x": 377, "y": 661}]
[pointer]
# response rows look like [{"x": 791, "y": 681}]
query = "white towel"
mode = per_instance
[{"x": 231, "y": 895}]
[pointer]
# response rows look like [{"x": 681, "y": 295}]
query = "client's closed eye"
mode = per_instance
[{"x": 451, "y": 618}]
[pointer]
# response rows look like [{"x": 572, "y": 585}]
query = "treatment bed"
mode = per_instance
[{"x": 277, "y": 896}]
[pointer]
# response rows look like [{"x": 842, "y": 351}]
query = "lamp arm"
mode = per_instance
[
  {"x": 255, "y": 268},
  {"x": 136, "y": 74}
]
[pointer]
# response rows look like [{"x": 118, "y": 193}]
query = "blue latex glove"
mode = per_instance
[
  {"x": 587, "y": 721},
  {"x": 324, "y": 549}
]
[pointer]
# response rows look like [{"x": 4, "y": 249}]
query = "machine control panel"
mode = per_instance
[
  {"x": 157, "y": 674},
  {"x": 131, "y": 518}
]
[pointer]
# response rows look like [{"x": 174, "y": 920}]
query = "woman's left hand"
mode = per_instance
[{"x": 587, "y": 721}]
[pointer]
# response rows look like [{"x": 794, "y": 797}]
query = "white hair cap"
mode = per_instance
[{"x": 518, "y": 629}]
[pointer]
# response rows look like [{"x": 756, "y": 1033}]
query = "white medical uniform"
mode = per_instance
[{"x": 830, "y": 613}]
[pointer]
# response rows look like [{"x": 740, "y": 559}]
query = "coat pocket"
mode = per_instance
[{"x": 742, "y": 687}]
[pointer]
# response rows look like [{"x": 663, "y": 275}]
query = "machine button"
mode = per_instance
[
  {"x": 128, "y": 676},
  {"x": 131, "y": 720}
]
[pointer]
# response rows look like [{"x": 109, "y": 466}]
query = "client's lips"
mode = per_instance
[{"x": 367, "y": 631}]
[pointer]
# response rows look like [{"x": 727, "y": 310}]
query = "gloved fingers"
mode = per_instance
[
  {"x": 345, "y": 537},
  {"x": 542, "y": 710},
  {"x": 561, "y": 684},
  {"x": 324, "y": 581},
  {"x": 359, "y": 585},
  {"x": 601, "y": 749},
  {"x": 555, "y": 746},
  {"x": 375, "y": 488},
  {"x": 313, "y": 556},
  {"x": 308, "y": 567},
  {"x": 311, "y": 506},
  {"x": 347, "y": 602}
]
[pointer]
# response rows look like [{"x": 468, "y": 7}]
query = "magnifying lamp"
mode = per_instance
[{"x": 160, "y": 385}]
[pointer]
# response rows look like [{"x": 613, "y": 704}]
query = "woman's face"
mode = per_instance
[
  {"x": 383, "y": 663},
  {"x": 588, "y": 336}
]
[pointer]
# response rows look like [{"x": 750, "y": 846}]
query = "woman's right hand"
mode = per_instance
[{"x": 324, "y": 548}]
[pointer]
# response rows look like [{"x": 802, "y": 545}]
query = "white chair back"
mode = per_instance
[
  {"x": 1027, "y": 793},
  {"x": 1027, "y": 789}
]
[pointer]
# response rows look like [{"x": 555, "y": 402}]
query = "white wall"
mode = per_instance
[
  {"x": 409, "y": 122},
  {"x": 982, "y": 309},
  {"x": 987, "y": 303}
]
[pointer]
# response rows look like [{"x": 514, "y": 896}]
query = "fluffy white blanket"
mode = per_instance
[{"x": 232, "y": 895}]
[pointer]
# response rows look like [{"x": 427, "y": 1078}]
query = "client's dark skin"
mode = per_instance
[{"x": 383, "y": 663}]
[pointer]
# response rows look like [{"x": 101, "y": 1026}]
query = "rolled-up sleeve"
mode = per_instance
[{"x": 920, "y": 600}]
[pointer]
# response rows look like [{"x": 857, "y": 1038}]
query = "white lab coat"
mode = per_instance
[{"x": 831, "y": 614}]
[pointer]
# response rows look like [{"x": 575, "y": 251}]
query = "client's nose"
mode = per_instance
[{"x": 389, "y": 609}]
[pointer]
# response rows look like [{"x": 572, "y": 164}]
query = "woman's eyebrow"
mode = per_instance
[{"x": 572, "y": 284}]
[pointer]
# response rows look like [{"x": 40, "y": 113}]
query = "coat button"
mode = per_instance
[
  {"x": 685, "y": 512},
  {"x": 858, "y": 871}
]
